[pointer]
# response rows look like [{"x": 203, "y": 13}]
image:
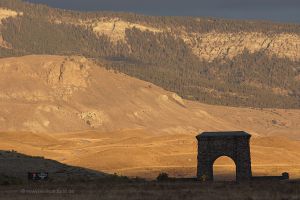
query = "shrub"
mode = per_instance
[{"x": 162, "y": 177}]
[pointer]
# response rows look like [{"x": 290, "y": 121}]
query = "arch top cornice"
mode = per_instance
[{"x": 223, "y": 134}]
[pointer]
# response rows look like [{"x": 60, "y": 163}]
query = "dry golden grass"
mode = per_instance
[{"x": 136, "y": 153}]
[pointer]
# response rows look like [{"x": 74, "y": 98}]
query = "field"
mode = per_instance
[{"x": 138, "y": 153}]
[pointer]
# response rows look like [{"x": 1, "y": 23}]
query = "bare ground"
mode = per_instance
[{"x": 155, "y": 190}]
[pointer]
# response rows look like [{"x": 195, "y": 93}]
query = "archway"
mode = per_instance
[
  {"x": 234, "y": 144},
  {"x": 224, "y": 169}
]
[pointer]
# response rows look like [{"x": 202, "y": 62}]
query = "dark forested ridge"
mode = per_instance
[{"x": 249, "y": 79}]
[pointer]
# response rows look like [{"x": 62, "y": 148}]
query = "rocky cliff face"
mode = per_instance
[
  {"x": 4, "y": 14},
  {"x": 207, "y": 46},
  {"x": 214, "y": 45}
]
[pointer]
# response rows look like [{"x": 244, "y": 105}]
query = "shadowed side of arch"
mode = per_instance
[{"x": 234, "y": 144}]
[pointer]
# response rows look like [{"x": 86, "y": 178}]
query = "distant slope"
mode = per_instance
[{"x": 224, "y": 62}]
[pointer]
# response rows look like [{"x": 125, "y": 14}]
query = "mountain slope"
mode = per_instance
[
  {"x": 66, "y": 94},
  {"x": 223, "y": 62},
  {"x": 75, "y": 111},
  {"x": 58, "y": 94}
]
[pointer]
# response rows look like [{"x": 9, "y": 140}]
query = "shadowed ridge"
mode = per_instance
[{"x": 17, "y": 165}]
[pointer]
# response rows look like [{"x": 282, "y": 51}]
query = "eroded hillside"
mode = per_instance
[
  {"x": 58, "y": 94},
  {"x": 215, "y": 61}
]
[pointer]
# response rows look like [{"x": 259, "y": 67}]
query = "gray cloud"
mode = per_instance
[{"x": 276, "y": 10}]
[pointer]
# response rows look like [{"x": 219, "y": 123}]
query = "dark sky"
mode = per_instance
[{"x": 275, "y": 10}]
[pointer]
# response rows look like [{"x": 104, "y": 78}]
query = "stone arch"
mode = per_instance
[
  {"x": 234, "y": 144},
  {"x": 227, "y": 177}
]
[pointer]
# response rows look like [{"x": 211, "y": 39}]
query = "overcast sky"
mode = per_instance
[{"x": 275, "y": 10}]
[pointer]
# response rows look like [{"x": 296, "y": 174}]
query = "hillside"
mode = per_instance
[
  {"x": 66, "y": 94},
  {"x": 58, "y": 172},
  {"x": 75, "y": 111},
  {"x": 215, "y": 61}
]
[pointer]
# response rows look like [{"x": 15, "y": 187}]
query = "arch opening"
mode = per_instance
[{"x": 224, "y": 169}]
